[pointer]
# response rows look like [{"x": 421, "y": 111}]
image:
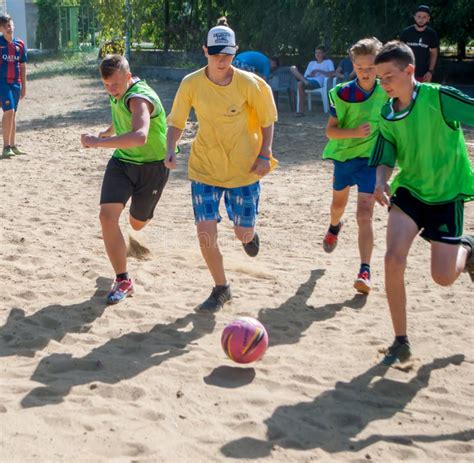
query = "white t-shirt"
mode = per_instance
[{"x": 325, "y": 65}]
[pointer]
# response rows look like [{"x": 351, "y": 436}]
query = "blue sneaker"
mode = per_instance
[
  {"x": 397, "y": 353},
  {"x": 121, "y": 289}
]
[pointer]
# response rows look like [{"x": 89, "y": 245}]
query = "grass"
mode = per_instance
[{"x": 59, "y": 64}]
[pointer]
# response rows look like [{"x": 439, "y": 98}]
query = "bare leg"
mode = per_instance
[
  {"x": 137, "y": 224},
  {"x": 207, "y": 235},
  {"x": 113, "y": 237},
  {"x": 447, "y": 262},
  {"x": 13, "y": 131},
  {"x": 365, "y": 209},
  {"x": 302, "y": 84},
  {"x": 244, "y": 234},
  {"x": 338, "y": 205},
  {"x": 401, "y": 231},
  {"x": 8, "y": 121}
]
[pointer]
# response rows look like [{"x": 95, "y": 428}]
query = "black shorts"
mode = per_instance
[
  {"x": 439, "y": 222},
  {"x": 144, "y": 183}
]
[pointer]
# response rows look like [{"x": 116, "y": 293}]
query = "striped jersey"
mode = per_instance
[{"x": 12, "y": 54}]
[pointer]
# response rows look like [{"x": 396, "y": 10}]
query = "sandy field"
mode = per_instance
[{"x": 147, "y": 380}]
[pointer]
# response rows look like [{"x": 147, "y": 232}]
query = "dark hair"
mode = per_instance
[
  {"x": 322, "y": 48},
  {"x": 276, "y": 60},
  {"x": 396, "y": 52},
  {"x": 5, "y": 19},
  {"x": 112, "y": 64},
  {"x": 222, "y": 21},
  {"x": 364, "y": 47}
]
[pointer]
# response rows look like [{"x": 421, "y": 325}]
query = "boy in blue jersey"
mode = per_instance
[
  {"x": 352, "y": 129},
  {"x": 12, "y": 82}
]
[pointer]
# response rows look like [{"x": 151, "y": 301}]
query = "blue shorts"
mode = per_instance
[
  {"x": 313, "y": 84},
  {"x": 9, "y": 96},
  {"x": 241, "y": 203},
  {"x": 354, "y": 172}
]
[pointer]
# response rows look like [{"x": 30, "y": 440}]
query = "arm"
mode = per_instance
[
  {"x": 456, "y": 106},
  {"x": 172, "y": 138},
  {"x": 433, "y": 58},
  {"x": 23, "y": 80},
  {"x": 261, "y": 166},
  {"x": 334, "y": 132},
  {"x": 382, "y": 189},
  {"x": 138, "y": 136},
  {"x": 109, "y": 131}
]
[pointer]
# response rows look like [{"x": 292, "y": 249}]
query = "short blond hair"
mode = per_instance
[{"x": 364, "y": 47}]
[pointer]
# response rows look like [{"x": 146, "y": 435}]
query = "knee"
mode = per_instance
[
  {"x": 137, "y": 225},
  {"x": 441, "y": 278},
  {"x": 206, "y": 240},
  {"x": 364, "y": 217},
  {"x": 107, "y": 218},
  {"x": 244, "y": 235},
  {"x": 395, "y": 261}
]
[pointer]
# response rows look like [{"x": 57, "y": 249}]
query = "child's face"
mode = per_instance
[
  {"x": 395, "y": 81},
  {"x": 7, "y": 29},
  {"x": 319, "y": 55},
  {"x": 219, "y": 63},
  {"x": 117, "y": 84},
  {"x": 364, "y": 68}
]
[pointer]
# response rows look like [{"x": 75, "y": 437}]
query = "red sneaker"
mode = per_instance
[
  {"x": 362, "y": 282},
  {"x": 121, "y": 289},
  {"x": 330, "y": 240}
]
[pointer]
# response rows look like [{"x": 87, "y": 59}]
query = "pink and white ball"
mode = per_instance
[{"x": 244, "y": 340}]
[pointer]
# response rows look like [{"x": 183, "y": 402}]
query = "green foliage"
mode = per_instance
[
  {"x": 47, "y": 33},
  {"x": 289, "y": 27}
]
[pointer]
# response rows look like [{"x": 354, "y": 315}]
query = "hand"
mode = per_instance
[
  {"x": 22, "y": 92},
  {"x": 362, "y": 131},
  {"x": 89, "y": 141},
  {"x": 170, "y": 160},
  {"x": 382, "y": 194},
  {"x": 261, "y": 167},
  {"x": 428, "y": 76}
]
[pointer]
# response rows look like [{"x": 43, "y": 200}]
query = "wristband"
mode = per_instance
[{"x": 261, "y": 156}]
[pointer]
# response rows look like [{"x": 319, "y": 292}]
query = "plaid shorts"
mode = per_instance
[{"x": 241, "y": 203}]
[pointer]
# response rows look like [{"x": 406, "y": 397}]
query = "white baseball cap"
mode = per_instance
[{"x": 221, "y": 39}]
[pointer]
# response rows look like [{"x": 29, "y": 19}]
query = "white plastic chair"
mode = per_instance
[{"x": 323, "y": 91}]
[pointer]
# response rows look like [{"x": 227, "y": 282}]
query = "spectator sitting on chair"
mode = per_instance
[
  {"x": 345, "y": 70},
  {"x": 256, "y": 62},
  {"x": 313, "y": 77}
]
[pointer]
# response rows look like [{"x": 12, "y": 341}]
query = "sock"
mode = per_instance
[
  {"x": 334, "y": 229},
  {"x": 364, "y": 267},
  {"x": 122, "y": 276},
  {"x": 402, "y": 339}
]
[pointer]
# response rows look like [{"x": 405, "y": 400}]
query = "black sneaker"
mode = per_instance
[
  {"x": 252, "y": 247},
  {"x": 468, "y": 242},
  {"x": 397, "y": 353},
  {"x": 219, "y": 296}
]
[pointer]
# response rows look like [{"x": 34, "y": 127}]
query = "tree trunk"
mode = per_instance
[
  {"x": 461, "y": 49},
  {"x": 166, "y": 38}
]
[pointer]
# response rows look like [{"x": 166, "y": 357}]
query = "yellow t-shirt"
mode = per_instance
[{"x": 230, "y": 119}]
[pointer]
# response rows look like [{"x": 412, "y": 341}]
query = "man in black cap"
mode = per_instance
[{"x": 424, "y": 42}]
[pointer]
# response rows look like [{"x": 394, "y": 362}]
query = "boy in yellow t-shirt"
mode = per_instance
[{"x": 232, "y": 150}]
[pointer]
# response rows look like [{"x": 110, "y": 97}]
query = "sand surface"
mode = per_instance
[{"x": 146, "y": 380}]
